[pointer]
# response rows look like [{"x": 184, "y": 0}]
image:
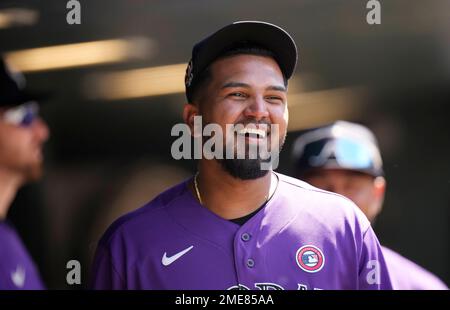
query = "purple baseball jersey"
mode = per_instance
[
  {"x": 303, "y": 238},
  {"x": 17, "y": 269},
  {"x": 406, "y": 275}
]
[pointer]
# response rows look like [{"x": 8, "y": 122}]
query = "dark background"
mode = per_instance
[{"x": 107, "y": 157}]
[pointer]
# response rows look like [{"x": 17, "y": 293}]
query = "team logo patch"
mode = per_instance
[{"x": 310, "y": 258}]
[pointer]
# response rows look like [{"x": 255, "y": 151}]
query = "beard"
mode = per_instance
[
  {"x": 31, "y": 172},
  {"x": 28, "y": 170},
  {"x": 249, "y": 168},
  {"x": 253, "y": 166},
  {"x": 244, "y": 169},
  {"x": 34, "y": 173}
]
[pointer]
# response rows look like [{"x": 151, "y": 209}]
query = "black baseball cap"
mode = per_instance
[
  {"x": 340, "y": 145},
  {"x": 266, "y": 35},
  {"x": 12, "y": 88}
]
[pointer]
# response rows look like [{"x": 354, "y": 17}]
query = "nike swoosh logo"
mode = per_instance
[
  {"x": 166, "y": 261},
  {"x": 18, "y": 276}
]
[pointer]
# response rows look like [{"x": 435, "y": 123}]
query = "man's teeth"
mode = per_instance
[{"x": 254, "y": 131}]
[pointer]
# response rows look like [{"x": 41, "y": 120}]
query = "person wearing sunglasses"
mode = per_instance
[
  {"x": 22, "y": 135},
  {"x": 344, "y": 158}
]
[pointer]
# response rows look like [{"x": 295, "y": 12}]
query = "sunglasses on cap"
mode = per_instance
[
  {"x": 345, "y": 153},
  {"x": 23, "y": 115},
  {"x": 341, "y": 153}
]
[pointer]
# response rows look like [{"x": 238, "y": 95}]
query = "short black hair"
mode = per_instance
[{"x": 242, "y": 48}]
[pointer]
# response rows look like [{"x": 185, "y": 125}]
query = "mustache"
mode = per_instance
[
  {"x": 261, "y": 125},
  {"x": 257, "y": 124},
  {"x": 253, "y": 122},
  {"x": 245, "y": 123}
]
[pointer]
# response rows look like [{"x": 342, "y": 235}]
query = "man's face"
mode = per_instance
[
  {"x": 21, "y": 148},
  {"x": 246, "y": 89},
  {"x": 364, "y": 190}
]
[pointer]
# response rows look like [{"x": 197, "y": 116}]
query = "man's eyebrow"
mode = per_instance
[
  {"x": 235, "y": 84},
  {"x": 278, "y": 88},
  {"x": 244, "y": 85}
]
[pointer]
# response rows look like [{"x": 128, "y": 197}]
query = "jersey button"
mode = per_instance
[
  {"x": 250, "y": 263},
  {"x": 245, "y": 237}
]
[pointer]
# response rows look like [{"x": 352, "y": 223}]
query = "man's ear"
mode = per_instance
[{"x": 189, "y": 112}]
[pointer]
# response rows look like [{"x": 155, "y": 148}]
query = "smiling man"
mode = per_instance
[
  {"x": 22, "y": 135},
  {"x": 235, "y": 224}
]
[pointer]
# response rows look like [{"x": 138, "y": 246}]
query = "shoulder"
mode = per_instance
[
  {"x": 300, "y": 186},
  {"x": 317, "y": 203},
  {"x": 9, "y": 239},
  {"x": 297, "y": 186},
  {"x": 406, "y": 274},
  {"x": 14, "y": 257},
  {"x": 147, "y": 218}
]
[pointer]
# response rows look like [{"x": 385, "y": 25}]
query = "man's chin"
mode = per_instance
[
  {"x": 244, "y": 169},
  {"x": 33, "y": 173}
]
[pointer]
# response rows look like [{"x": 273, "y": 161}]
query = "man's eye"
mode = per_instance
[
  {"x": 274, "y": 98},
  {"x": 238, "y": 94}
]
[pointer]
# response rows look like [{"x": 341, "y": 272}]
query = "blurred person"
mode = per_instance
[
  {"x": 22, "y": 135},
  {"x": 344, "y": 158},
  {"x": 235, "y": 225}
]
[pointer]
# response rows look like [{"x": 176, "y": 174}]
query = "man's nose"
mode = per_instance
[
  {"x": 257, "y": 109},
  {"x": 41, "y": 129}
]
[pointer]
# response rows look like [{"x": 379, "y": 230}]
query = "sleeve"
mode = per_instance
[
  {"x": 104, "y": 275},
  {"x": 373, "y": 272}
]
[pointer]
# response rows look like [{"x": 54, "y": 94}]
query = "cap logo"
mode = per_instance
[
  {"x": 189, "y": 75},
  {"x": 310, "y": 258}
]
